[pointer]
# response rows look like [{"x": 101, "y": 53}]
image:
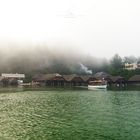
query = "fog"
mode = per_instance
[
  {"x": 44, "y": 59},
  {"x": 98, "y": 27}
]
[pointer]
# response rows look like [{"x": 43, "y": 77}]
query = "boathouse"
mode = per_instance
[
  {"x": 73, "y": 80},
  {"x": 87, "y": 79},
  {"x": 116, "y": 81},
  {"x": 50, "y": 80},
  {"x": 134, "y": 80},
  {"x": 102, "y": 75}
]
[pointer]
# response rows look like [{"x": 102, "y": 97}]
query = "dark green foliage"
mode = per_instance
[
  {"x": 116, "y": 62},
  {"x": 116, "y": 67}
]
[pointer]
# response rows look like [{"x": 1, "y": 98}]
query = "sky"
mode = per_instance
[{"x": 100, "y": 28}]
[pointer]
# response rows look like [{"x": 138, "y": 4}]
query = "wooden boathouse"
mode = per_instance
[
  {"x": 50, "y": 80},
  {"x": 76, "y": 80},
  {"x": 73, "y": 80},
  {"x": 134, "y": 80},
  {"x": 87, "y": 79},
  {"x": 117, "y": 81}
]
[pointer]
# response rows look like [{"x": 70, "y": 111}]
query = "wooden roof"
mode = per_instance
[
  {"x": 116, "y": 78},
  {"x": 47, "y": 77},
  {"x": 72, "y": 77},
  {"x": 87, "y": 78},
  {"x": 135, "y": 78},
  {"x": 101, "y": 75}
]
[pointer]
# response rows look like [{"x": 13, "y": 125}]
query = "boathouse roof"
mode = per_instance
[
  {"x": 72, "y": 77},
  {"x": 87, "y": 78},
  {"x": 47, "y": 77},
  {"x": 135, "y": 78},
  {"x": 117, "y": 78},
  {"x": 101, "y": 75}
]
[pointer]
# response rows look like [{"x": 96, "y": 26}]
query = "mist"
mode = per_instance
[{"x": 45, "y": 59}]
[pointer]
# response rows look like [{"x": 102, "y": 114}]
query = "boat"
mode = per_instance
[{"x": 97, "y": 84}]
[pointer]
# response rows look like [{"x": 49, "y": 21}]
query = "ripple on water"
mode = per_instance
[{"x": 70, "y": 114}]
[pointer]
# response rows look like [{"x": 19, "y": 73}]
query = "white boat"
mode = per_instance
[{"x": 97, "y": 84}]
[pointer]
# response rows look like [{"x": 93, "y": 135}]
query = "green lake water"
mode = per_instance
[{"x": 69, "y": 114}]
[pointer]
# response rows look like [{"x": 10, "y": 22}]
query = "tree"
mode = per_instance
[{"x": 116, "y": 62}]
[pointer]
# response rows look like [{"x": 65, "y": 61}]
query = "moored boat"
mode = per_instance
[{"x": 97, "y": 84}]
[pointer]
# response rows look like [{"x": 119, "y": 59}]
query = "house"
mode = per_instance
[
  {"x": 134, "y": 80},
  {"x": 13, "y": 75},
  {"x": 12, "y": 78},
  {"x": 130, "y": 66}
]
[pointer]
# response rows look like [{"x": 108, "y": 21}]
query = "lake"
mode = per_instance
[{"x": 69, "y": 114}]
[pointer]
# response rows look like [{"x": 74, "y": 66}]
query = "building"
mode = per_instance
[
  {"x": 87, "y": 79},
  {"x": 50, "y": 79},
  {"x": 13, "y": 75},
  {"x": 76, "y": 80},
  {"x": 73, "y": 80},
  {"x": 117, "y": 81},
  {"x": 12, "y": 78},
  {"x": 102, "y": 75},
  {"x": 130, "y": 66},
  {"x": 134, "y": 80}
]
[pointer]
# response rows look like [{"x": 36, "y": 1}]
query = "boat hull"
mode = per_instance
[{"x": 95, "y": 87}]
